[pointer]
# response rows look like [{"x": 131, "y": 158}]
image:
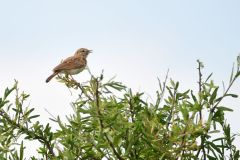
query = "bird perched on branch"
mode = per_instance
[{"x": 72, "y": 65}]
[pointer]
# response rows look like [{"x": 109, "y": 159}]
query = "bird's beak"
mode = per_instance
[{"x": 90, "y": 51}]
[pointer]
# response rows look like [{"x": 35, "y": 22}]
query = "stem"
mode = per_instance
[
  {"x": 170, "y": 117},
  {"x": 101, "y": 121},
  {"x": 183, "y": 140},
  {"x": 132, "y": 113},
  {"x": 200, "y": 87},
  {"x": 200, "y": 112},
  {"x": 212, "y": 111},
  {"x": 225, "y": 93},
  {"x": 162, "y": 89},
  {"x": 202, "y": 147},
  {"x": 82, "y": 89},
  {"x": 28, "y": 132},
  {"x": 131, "y": 110}
]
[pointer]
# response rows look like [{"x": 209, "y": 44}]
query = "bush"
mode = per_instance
[{"x": 112, "y": 122}]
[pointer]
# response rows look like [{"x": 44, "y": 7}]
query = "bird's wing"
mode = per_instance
[{"x": 70, "y": 63}]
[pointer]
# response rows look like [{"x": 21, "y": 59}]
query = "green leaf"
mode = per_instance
[
  {"x": 215, "y": 147},
  {"x": 115, "y": 85},
  {"x": 21, "y": 151},
  {"x": 84, "y": 111},
  {"x": 238, "y": 73},
  {"x": 219, "y": 116},
  {"x": 172, "y": 83},
  {"x": 208, "y": 77},
  {"x": 193, "y": 97},
  {"x": 162, "y": 157},
  {"x": 169, "y": 91},
  {"x": 185, "y": 113},
  {"x": 232, "y": 95},
  {"x": 2, "y": 103},
  {"x": 236, "y": 155},
  {"x": 200, "y": 64},
  {"x": 176, "y": 86},
  {"x": 214, "y": 131},
  {"x": 218, "y": 99},
  {"x": 218, "y": 139},
  {"x": 224, "y": 109},
  {"x": 32, "y": 117},
  {"x": 231, "y": 77},
  {"x": 238, "y": 60},
  {"x": 213, "y": 96},
  {"x": 7, "y": 92},
  {"x": 211, "y": 157},
  {"x": 29, "y": 111}
]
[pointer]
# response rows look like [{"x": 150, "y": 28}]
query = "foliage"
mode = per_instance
[{"x": 112, "y": 122}]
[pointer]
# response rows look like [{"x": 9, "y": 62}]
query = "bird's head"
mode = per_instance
[{"x": 82, "y": 52}]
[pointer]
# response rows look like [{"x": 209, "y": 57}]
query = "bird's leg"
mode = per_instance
[
  {"x": 78, "y": 85},
  {"x": 73, "y": 79},
  {"x": 89, "y": 71}
]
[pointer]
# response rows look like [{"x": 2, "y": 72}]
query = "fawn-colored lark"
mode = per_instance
[{"x": 72, "y": 65}]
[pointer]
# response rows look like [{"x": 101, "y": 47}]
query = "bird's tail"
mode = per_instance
[{"x": 51, "y": 76}]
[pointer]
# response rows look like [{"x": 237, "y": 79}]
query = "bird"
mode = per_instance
[{"x": 72, "y": 65}]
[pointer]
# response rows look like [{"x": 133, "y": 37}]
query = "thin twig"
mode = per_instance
[
  {"x": 200, "y": 87},
  {"x": 164, "y": 86},
  {"x": 183, "y": 140},
  {"x": 50, "y": 114},
  {"x": 28, "y": 132},
  {"x": 170, "y": 117},
  {"x": 225, "y": 93},
  {"x": 82, "y": 89},
  {"x": 200, "y": 112}
]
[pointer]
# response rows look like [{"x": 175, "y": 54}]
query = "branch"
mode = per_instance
[
  {"x": 183, "y": 141},
  {"x": 101, "y": 122},
  {"x": 162, "y": 89},
  {"x": 224, "y": 94},
  {"x": 28, "y": 132},
  {"x": 171, "y": 114},
  {"x": 200, "y": 112},
  {"x": 200, "y": 86}
]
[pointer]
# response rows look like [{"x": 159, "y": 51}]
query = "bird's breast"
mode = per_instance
[{"x": 73, "y": 71}]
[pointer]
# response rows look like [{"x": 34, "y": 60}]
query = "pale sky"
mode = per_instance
[{"x": 135, "y": 40}]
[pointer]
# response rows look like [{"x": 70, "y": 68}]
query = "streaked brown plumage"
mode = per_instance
[{"x": 72, "y": 65}]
